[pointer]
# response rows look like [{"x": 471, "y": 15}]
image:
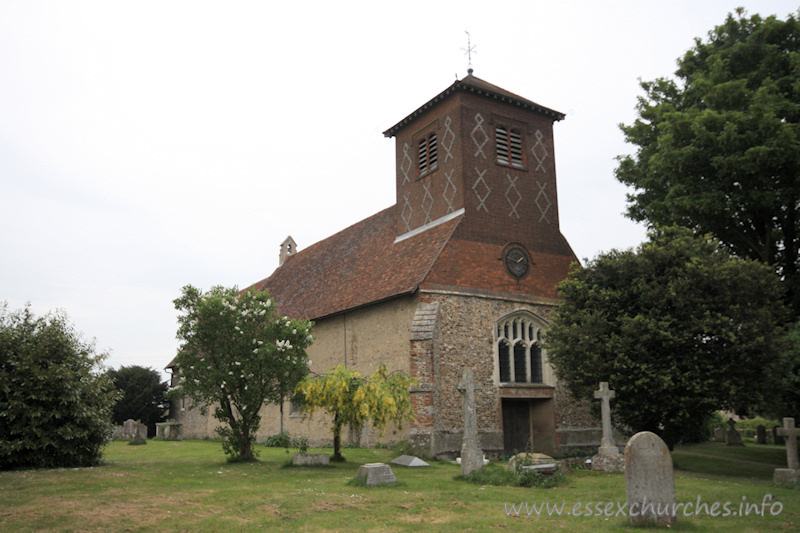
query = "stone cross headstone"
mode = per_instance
[
  {"x": 761, "y": 434},
  {"x": 471, "y": 453},
  {"x": 649, "y": 481},
  {"x": 734, "y": 437},
  {"x": 790, "y": 434},
  {"x": 604, "y": 394},
  {"x": 791, "y": 474},
  {"x": 719, "y": 434}
]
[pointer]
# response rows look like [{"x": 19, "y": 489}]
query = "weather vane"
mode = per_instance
[{"x": 468, "y": 51}]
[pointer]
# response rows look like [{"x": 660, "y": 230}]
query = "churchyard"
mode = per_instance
[{"x": 188, "y": 485}]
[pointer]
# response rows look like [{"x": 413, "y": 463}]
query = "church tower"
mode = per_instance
[{"x": 478, "y": 150}]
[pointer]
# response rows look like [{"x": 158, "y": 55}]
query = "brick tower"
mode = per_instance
[{"x": 480, "y": 150}]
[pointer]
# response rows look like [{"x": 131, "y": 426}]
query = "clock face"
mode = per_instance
[{"x": 517, "y": 262}]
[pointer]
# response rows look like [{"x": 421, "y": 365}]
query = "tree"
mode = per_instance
[
  {"x": 143, "y": 396},
  {"x": 785, "y": 396},
  {"x": 351, "y": 399},
  {"x": 55, "y": 403},
  {"x": 718, "y": 149},
  {"x": 238, "y": 354},
  {"x": 679, "y": 328}
]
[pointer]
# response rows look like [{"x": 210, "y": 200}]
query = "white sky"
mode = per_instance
[{"x": 149, "y": 145}]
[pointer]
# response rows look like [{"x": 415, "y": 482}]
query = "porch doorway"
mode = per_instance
[{"x": 527, "y": 421}]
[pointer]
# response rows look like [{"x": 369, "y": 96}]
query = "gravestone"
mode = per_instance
[
  {"x": 649, "y": 481},
  {"x": 528, "y": 459},
  {"x": 471, "y": 453},
  {"x": 761, "y": 434},
  {"x": 132, "y": 431},
  {"x": 169, "y": 430},
  {"x": 376, "y": 474},
  {"x": 791, "y": 474},
  {"x": 608, "y": 458},
  {"x": 719, "y": 434},
  {"x": 604, "y": 394},
  {"x": 310, "y": 459},
  {"x": 409, "y": 461},
  {"x": 734, "y": 437},
  {"x": 777, "y": 439}
]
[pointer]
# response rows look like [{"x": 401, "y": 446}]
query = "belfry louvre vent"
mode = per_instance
[
  {"x": 428, "y": 157},
  {"x": 509, "y": 147}
]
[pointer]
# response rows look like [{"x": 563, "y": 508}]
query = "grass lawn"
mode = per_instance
[{"x": 189, "y": 486}]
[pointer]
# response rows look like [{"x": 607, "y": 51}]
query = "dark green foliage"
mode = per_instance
[
  {"x": 539, "y": 480},
  {"x": 718, "y": 149},
  {"x": 144, "y": 396},
  {"x": 492, "y": 475},
  {"x": 55, "y": 406},
  {"x": 785, "y": 399},
  {"x": 679, "y": 328}
]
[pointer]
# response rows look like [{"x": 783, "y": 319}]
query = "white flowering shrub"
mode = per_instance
[{"x": 238, "y": 354}]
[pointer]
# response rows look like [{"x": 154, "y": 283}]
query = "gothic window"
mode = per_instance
[
  {"x": 505, "y": 361},
  {"x": 519, "y": 349},
  {"x": 509, "y": 147},
  {"x": 428, "y": 158}
]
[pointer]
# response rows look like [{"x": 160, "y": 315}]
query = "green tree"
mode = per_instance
[
  {"x": 718, "y": 148},
  {"x": 679, "y": 328},
  {"x": 143, "y": 396},
  {"x": 785, "y": 397},
  {"x": 55, "y": 403},
  {"x": 237, "y": 354},
  {"x": 350, "y": 399}
]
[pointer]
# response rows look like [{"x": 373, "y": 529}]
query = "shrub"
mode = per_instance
[
  {"x": 55, "y": 403},
  {"x": 279, "y": 440}
]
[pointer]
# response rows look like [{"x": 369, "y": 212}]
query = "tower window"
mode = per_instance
[
  {"x": 509, "y": 147},
  {"x": 428, "y": 158}
]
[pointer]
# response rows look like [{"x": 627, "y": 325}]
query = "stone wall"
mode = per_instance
[{"x": 464, "y": 337}]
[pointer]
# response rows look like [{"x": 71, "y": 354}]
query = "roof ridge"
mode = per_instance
[{"x": 474, "y": 84}]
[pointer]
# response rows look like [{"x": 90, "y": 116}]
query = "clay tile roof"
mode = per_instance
[
  {"x": 355, "y": 267},
  {"x": 475, "y": 85}
]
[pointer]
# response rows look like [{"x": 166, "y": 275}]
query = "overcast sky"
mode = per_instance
[{"x": 149, "y": 145}]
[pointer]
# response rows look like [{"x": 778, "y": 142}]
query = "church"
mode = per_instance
[{"x": 459, "y": 274}]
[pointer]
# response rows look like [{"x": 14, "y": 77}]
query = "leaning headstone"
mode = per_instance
[
  {"x": 777, "y": 438},
  {"x": 409, "y": 461},
  {"x": 761, "y": 434},
  {"x": 376, "y": 474},
  {"x": 734, "y": 437},
  {"x": 719, "y": 434},
  {"x": 608, "y": 458},
  {"x": 471, "y": 453},
  {"x": 791, "y": 474},
  {"x": 649, "y": 481}
]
